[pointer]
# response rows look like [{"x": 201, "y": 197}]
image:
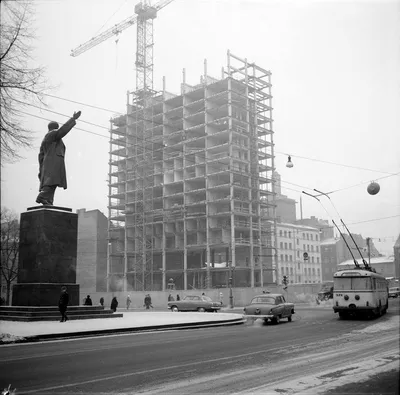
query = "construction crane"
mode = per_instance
[{"x": 145, "y": 14}]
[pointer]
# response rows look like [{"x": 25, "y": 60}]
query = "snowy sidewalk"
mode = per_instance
[{"x": 131, "y": 321}]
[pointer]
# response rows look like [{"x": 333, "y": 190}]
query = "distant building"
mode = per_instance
[
  {"x": 383, "y": 265},
  {"x": 91, "y": 268},
  {"x": 293, "y": 241},
  {"x": 396, "y": 250},
  {"x": 326, "y": 230},
  {"x": 285, "y": 206}
]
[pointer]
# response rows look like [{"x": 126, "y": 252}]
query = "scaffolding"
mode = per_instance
[{"x": 191, "y": 191}]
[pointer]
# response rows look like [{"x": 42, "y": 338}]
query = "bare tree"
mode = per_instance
[
  {"x": 9, "y": 249},
  {"x": 20, "y": 82}
]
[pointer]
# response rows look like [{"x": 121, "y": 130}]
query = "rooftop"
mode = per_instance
[{"x": 374, "y": 261}]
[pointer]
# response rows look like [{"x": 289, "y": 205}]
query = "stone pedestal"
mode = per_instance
[{"x": 47, "y": 257}]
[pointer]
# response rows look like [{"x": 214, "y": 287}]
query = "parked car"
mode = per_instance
[
  {"x": 194, "y": 303},
  {"x": 270, "y": 307},
  {"x": 394, "y": 292}
]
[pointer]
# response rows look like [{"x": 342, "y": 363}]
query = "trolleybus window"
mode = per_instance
[{"x": 356, "y": 283}]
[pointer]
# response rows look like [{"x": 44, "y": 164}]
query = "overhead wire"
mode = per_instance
[
  {"x": 278, "y": 152},
  {"x": 163, "y": 146}
]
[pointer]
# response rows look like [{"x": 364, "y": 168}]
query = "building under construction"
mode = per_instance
[{"x": 191, "y": 192}]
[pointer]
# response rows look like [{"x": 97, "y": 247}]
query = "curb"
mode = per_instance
[{"x": 169, "y": 327}]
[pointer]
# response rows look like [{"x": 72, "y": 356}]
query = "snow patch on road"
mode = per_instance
[
  {"x": 7, "y": 338},
  {"x": 389, "y": 324}
]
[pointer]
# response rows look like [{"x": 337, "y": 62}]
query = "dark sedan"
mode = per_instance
[
  {"x": 194, "y": 303},
  {"x": 271, "y": 307}
]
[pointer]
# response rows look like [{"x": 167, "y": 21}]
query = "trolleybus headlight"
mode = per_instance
[
  {"x": 346, "y": 297},
  {"x": 357, "y": 297}
]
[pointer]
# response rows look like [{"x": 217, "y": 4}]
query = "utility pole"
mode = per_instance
[{"x": 369, "y": 251}]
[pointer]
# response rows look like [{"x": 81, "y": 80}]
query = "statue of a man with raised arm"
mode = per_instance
[{"x": 52, "y": 172}]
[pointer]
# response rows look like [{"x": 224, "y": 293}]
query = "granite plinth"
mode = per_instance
[
  {"x": 43, "y": 294},
  {"x": 48, "y": 246}
]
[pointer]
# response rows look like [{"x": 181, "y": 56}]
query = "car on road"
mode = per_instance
[
  {"x": 394, "y": 292},
  {"x": 269, "y": 307},
  {"x": 200, "y": 303}
]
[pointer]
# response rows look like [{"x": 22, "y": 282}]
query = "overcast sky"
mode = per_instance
[{"x": 336, "y": 87}]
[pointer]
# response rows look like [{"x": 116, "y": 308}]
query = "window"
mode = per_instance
[
  {"x": 316, "y": 237},
  {"x": 289, "y": 234},
  {"x": 318, "y": 272},
  {"x": 309, "y": 271},
  {"x": 298, "y": 254},
  {"x": 348, "y": 283},
  {"x": 287, "y": 271},
  {"x": 313, "y": 271},
  {"x": 308, "y": 236},
  {"x": 285, "y": 233},
  {"x": 285, "y": 246},
  {"x": 304, "y": 236},
  {"x": 308, "y": 247},
  {"x": 290, "y": 258},
  {"x": 282, "y": 270},
  {"x": 312, "y": 248},
  {"x": 317, "y": 259},
  {"x": 311, "y": 236},
  {"x": 304, "y": 247},
  {"x": 290, "y": 246},
  {"x": 286, "y": 258},
  {"x": 312, "y": 259},
  {"x": 282, "y": 257},
  {"x": 281, "y": 245},
  {"x": 298, "y": 241},
  {"x": 317, "y": 248},
  {"x": 291, "y": 270},
  {"x": 280, "y": 233}
]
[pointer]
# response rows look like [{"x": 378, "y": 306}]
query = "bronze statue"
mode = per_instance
[{"x": 52, "y": 172}]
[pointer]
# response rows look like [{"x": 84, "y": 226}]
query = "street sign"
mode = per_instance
[{"x": 305, "y": 256}]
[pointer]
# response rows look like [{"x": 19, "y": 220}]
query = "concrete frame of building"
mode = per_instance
[{"x": 192, "y": 187}]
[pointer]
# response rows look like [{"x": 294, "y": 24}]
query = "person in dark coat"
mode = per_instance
[
  {"x": 114, "y": 304},
  {"x": 147, "y": 302},
  {"x": 88, "y": 301},
  {"x": 170, "y": 298},
  {"x": 52, "y": 172},
  {"x": 178, "y": 297},
  {"x": 63, "y": 303},
  {"x": 102, "y": 301}
]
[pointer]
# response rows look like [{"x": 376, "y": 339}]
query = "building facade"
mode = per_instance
[
  {"x": 293, "y": 241},
  {"x": 91, "y": 266},
  {"x": 396, "y": 252},
  {"x": 191, "y": 189}
]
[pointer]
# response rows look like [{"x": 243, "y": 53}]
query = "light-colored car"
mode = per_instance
[
  {"x": 394, "y": 292},
  {"x": 269, "y": 307},
  {"x": 194, "y": 303}
]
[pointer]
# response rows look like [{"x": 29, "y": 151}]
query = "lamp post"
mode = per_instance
[{"x": 230, "y": 293}]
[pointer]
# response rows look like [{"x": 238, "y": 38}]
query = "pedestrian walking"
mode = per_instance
[
  {"x": 63, "y": 303},
  {"x": 178, "y": 297},
  {"x": 114, "y": 304},
  {"x": 170, "y": 298},
  {"x": 221, "y": 298},
  {"x": 102, "y": 301},
  {"x": 88, "y": 301},
  {"x": 128, "y": 302},
  {"x": 147, "y": 302}
]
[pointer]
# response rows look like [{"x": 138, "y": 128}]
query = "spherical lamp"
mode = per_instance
[
  {"x": 289, "y": 163},
  {"x": 373, "y": 188}
]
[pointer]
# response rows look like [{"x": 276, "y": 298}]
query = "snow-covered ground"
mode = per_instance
[{"x": 129, "y": 320}]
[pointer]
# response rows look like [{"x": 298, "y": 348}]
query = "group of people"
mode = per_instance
[{"x": 171, "y": 298}]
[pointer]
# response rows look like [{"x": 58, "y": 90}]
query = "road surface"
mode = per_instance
[{"x": 312, "y": 354}]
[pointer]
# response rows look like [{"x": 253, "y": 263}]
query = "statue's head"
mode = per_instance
[{"x": 53, "y": 125}]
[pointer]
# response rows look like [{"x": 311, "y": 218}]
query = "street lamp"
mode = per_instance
[{"x": 289, "y": 162}]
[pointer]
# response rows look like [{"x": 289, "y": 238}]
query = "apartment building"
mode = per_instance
[
  {"x": 293, "y": 241},
  {"x": 191, "y": 194}
]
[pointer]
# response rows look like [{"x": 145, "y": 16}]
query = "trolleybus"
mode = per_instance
[{"x": 360, "y": 292}]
